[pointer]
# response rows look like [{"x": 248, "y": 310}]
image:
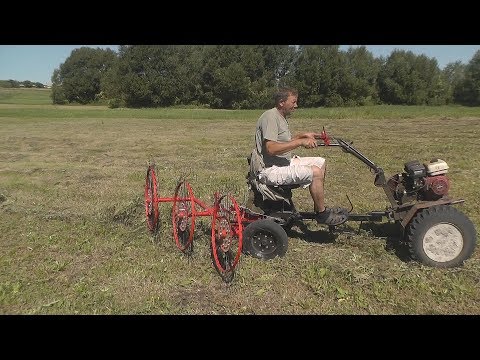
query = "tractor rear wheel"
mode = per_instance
[{"x": 441, "y": 236}]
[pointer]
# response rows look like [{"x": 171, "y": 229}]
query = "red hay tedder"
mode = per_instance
[{"x": 436, "y": 233}]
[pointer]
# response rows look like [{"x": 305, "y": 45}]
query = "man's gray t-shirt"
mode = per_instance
[{"x": 272, "y": 126}]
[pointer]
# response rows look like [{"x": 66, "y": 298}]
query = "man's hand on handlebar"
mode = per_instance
[{"x": 309, "y": 143}]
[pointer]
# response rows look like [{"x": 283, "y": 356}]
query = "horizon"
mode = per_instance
[{"x": 36, "y": 63}]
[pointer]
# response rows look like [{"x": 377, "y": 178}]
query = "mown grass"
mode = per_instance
[{"x": 74, "y": 238}]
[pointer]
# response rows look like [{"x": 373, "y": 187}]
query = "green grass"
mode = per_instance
[
  {"x": 25, "y": 96},
  {"x": 384, "y": 112},
  {"x": 74, "y": 238},
  {"x": 13, "y": 101}
]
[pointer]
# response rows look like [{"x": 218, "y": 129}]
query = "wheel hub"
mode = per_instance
[
  {"x": 443, "y": 242},
  {"x": 223, "y": 235},
  {"x": 264, "y": 242},
  {"x": 182, "y": 214}
]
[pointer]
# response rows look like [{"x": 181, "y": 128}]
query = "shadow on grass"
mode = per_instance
[
  {"x": 322, "y": 236},
  {"x": 392, "y": 232}
]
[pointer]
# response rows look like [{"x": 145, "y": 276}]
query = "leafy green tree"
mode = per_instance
[
  {"x": 244, "y": 76},
  {"x": 393, "y": 77},
  {"x": 14, "y": 83},
  {"x": 468, "y": 90},
  {"x": 225, "y": 75},
  {"x": 453, "y": 74},
  {"x": 5, "y": 84},
  {"x": 57, "y": 94},
  {"x": 409, "y": 79},
  {"x": 433, "y": 89},
  {"x": 80, "y": 75},
  {"x": 359, "y": 77},
  {"x": 317, "y": 75},
  {"x": 176, "y": 75},
  {"x": 277, "y": 63},
  {"x": 110, "y": 85},
  {"x": 156, "y": 75}
]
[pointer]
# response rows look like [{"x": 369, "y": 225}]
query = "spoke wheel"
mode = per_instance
[
  {"x": 151, "y": 202},
  {"x": 227, "y": 229},
  {"x": 183, "y": 217}
]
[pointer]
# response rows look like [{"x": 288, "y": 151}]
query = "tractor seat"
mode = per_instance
[
  {"x": 269, "y": 199},
  {"x": 283, "y": 188},
  {"x": 272, "y": 192}
]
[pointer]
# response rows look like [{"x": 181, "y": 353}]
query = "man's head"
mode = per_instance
[{"x": 286, "y": 100}]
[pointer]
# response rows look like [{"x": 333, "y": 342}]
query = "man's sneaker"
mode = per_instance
[
  {"x": 339, "y": 210},
  {"x": 332, "y": 216}
]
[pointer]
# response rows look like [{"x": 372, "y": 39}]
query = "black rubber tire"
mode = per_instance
[
  {"x": 265, "y": 239},
  {"x": 441, "y": 236}
]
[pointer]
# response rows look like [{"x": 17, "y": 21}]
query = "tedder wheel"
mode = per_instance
[
  {"x": 183, "y": 217},
  {"x": 227, "y": 229},
  {"x": 265, "y": 239},
  {"x": 441, "y": 236},
  {"x": 151, "y": 202}
]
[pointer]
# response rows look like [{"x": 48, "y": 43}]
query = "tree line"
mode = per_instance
[
  {"x": 245, "y": 77},
  {"x": 17, "y": 84}
]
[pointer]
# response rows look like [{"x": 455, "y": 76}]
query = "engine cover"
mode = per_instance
[
  {"x": 436, "y": 167},
  {"x": 436, "y": 187},
  {"x": 415, "y": 170}
]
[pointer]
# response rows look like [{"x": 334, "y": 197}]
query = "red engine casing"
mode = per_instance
[{"x": 436, "y": 187}]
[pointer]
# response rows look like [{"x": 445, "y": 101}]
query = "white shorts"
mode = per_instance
[{"x": 298, "y": 173}]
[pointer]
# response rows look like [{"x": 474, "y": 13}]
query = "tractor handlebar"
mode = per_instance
[{"x": 349, "y": 148}]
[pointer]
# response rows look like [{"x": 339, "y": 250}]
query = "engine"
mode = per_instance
[{"x": 420, "y": 182}]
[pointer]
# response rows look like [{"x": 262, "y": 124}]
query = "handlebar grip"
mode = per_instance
[{"x": 321, "y": 143}]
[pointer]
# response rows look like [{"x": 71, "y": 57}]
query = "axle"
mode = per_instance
[{"x": 371, "y": 216}]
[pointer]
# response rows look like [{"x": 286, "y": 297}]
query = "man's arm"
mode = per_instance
[
  {"x": 308, "y": 135},
  {"x": 278, "y": 148}
]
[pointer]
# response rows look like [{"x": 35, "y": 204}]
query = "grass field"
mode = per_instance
[
  {"x": 74, "y": 240},
  {"x": 25, "y": 96}
]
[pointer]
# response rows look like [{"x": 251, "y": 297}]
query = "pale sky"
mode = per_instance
[{"x": 37, "y": 62}]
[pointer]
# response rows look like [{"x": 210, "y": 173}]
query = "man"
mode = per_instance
[{"x": 274, "y": 144}]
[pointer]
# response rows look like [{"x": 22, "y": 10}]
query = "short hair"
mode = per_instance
[{"x": 283, "y": 93}]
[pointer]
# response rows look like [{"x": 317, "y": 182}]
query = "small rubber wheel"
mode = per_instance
[{"x": 265, "y": 239}]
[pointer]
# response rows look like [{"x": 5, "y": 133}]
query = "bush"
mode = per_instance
[
  {"x": 58, "y": 95},
  {"x": 115, "y": 103},
  {"x": 334, "y": 100}
]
